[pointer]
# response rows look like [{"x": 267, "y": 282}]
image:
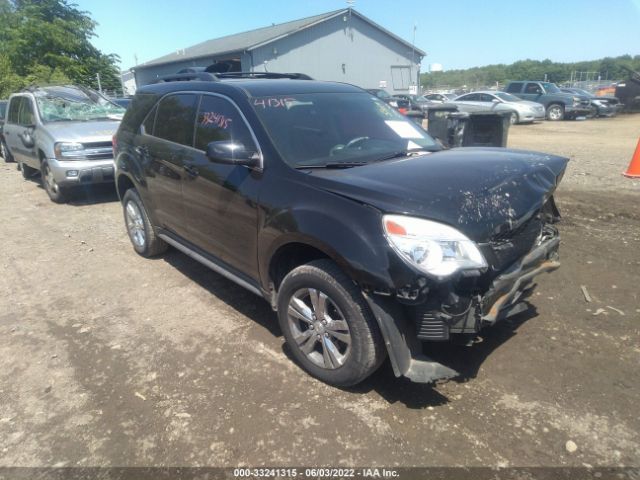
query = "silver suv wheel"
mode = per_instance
[{"x": 319, "y": 328}]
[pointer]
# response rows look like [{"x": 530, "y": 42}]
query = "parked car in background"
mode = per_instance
[
  {"x": 401, "y": 104},
  {"x": 416, "y": 102},
  {"x": 63, "y": 132},
  {"x": 364, "y": 236},
  {"x": 558, "y": 105},
  {"x": 521, "y": 111},
  {"x": 4, "y": 153},
  {"x": 439, "y": 97},
  {"x": 602, "y": 106}
]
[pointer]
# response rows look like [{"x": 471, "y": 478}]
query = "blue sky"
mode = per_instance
[{"x": 458, "y": 34}]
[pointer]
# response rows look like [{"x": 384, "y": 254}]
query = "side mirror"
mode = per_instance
[
  {"x": 495, "y": 100},
  {"x": 232, "y": 153}
]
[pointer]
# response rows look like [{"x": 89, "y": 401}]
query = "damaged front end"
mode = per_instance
[
  {"x": 519, "y": 242},
  {"x": 466, "y": 304}
]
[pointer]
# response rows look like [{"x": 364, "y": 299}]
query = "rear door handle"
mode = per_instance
[{"x": 191, "y": 170}]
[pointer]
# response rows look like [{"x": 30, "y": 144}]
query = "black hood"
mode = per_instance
[{"x": 480, "y": 191}]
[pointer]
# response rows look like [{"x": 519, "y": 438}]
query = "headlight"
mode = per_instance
[
  {"x": 434, "y": 248},
  {"x": 69, "y": 150},
  {"x": 577, "y": 100},
  {"x": 393, "y": 103}
]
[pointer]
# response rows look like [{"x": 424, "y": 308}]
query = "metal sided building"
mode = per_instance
[{"x": 342, "y": 46}]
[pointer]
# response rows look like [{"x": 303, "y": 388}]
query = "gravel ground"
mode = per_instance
[{"x": 113, "y": 360}]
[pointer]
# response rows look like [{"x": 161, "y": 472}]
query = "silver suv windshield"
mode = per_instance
[
  {"x": 70, "y": 104},
  {"x": 330, "y": 129}
]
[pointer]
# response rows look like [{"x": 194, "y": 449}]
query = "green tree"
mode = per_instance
[
  {"x": 476, "y": 77},
  {"x": 49, "y": 41}
]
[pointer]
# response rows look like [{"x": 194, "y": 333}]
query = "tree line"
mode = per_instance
[
  {"x": 609, "y": 68},
  {"x": 49, "y": 42}
]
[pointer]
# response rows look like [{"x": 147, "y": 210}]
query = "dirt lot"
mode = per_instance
[{"x": 113, "y": 360}]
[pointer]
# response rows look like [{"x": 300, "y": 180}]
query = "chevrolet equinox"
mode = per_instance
[{"x": 363, "y": 234}]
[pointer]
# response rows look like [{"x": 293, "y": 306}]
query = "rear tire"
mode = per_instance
[
  {"x": 555, "y": 112},
  {"x": 56, "y": 193},
  {"x": 327, "y": 324},
  {"x": 141, "y": 232},
  {"x": 6, "y": 154}
]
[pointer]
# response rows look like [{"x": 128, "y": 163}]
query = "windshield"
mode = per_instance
[
  {"x": 551, "y": 87},
  {"x": 507, "y": 97},
  {"x": 59, "y": 104},
  {"x": 328, "y": 128},
  {"x": 580, "y": 91}
]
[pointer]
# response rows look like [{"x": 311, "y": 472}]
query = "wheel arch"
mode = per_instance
[{"x": 123, "y": 183}]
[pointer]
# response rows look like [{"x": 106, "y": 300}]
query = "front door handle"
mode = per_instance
[
  {"x": 191, "y": 170},
  {"x": 142, "y": 150}
]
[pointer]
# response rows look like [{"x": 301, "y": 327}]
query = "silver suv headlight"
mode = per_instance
[
  {"x": 434, "y": 248},
  {"x": 69, "y": 151}
]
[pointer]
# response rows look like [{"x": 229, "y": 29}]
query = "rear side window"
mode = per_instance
[
  {"x": 137, "y": 111},
  {"x": 14, "y": 109},
  {"x": 219, "y": 119},
  {"x": 147, "y": 125},
  {"x": 175, "y": 118},
  {"x": 515, "y": 87},
  {"x": 532, "y": 88}
]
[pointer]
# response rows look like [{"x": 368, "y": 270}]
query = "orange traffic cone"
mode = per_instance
[{"x": 634, "y": 167}]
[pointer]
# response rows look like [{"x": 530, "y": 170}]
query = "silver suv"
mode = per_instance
[{"x": 65, "y": 132}]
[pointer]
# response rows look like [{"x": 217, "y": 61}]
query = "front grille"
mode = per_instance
[{"x": 98, "y": 150}]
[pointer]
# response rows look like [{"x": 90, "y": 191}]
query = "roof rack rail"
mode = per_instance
[
  {"x": 185, "y": 77},
  {"x": 293, "y": 76}
]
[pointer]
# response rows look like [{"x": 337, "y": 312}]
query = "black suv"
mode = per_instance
[{"x": 340, "y": 212}]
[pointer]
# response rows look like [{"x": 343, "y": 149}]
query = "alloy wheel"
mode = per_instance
[
  {"x": 49, "y": 179},
  {"x": 135, "y": 224},
  {"x": 555, "y": 113},
  {"x": 319, "y": 328}
]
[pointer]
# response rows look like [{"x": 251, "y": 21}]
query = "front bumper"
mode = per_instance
[
  {"x": 78, "y": 172},
  {"x": 404, "y": 329},
  {"x": 508, "y": 288},
  {"x": 606, "y": 110},
  {"x": 577, "y": 110}
]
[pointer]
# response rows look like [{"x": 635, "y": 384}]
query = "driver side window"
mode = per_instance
[{"x": 26, "y": 116}]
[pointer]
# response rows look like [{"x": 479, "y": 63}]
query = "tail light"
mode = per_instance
[{"x": 403, "y": 111}]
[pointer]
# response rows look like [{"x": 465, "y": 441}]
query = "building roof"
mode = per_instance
[{"x": 262, "y": 36}]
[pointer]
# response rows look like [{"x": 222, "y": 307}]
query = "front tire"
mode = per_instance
[
  {"x": 327, "y": 324},
  {"x": 513, "y": 118},
  {"x": 555, "y": 112},
  {"x": 27, "y": 171},
  {"x": 141, "y": 232},
  {"x": 56, "y": 193}
]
